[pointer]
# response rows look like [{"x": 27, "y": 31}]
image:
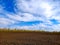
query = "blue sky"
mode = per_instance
[{"x": 30, "y": 14}]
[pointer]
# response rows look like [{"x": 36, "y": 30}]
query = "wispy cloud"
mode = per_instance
[{"x": 6, "y": 21}]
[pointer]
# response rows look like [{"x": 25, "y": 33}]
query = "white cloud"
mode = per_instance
[
  {"x": 6, "y": 21},
  {"x": 31, "y": 7},
  {"x": 46, "y": 8},
  {"x": 22, "y": 17},
  {"x": 36, "y": 6},
  {"x": 25, "y": 17},
  {"x": 56, "y": 17}
]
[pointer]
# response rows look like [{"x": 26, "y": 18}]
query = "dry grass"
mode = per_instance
[
  {"x": 27, "y": 37},
  {"x": 17, "y": 30}
]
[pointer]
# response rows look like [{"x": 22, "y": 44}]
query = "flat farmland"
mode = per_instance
[{"x": 29, "y": 38}]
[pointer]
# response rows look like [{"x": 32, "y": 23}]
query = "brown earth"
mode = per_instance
[{"x": 29, "y": 38}]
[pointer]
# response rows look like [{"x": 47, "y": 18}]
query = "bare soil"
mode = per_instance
[{"x": 29, "y": 38}]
